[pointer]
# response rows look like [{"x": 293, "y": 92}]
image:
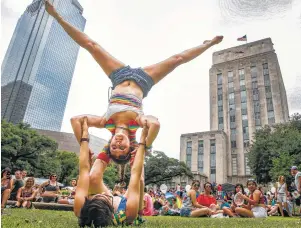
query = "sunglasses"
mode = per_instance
[
  {"x": 196, "y": 185},
  {"x": 53, "y": 176},
  {"x": 207, "y": 186}
]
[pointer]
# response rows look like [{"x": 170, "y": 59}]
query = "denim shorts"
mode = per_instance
[
  {"x": 137, "y": 75},
  {"x": 185, "y": 212}
]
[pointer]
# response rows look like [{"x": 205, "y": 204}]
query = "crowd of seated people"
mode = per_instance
[{"x": 198, "y": 201}]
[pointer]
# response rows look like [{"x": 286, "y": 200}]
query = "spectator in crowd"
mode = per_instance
[
  {"x": 190, "y": 207},
  {"x": 6, "y": 186},
  {"x": 26, "y": 194},
  {"x": 207, "y": 198},
  {"x": 51, "y": 189},
  {"x": 231, "y": 211},
  {"x": 256, "y": 202},
  {"x": 24, "y": 174},
  {"x": 295, "y": 172},
  {"x": 147, "y": 204},
  {"x": 71, "y": 190},
  {"x": 178, "y": 189},
  {"x": 17, "y": 184},
  {"x": 219, "y": 191},
  {"x": 281, "y": 194}
]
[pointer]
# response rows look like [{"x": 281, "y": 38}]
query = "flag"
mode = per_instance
[
  {"x": 243, "y": 38},
  {"x": 35, "y": 6}
]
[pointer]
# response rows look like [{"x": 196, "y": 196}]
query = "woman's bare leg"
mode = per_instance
[
  {"x": 228, "y": 212},
  {"x": 160, "y": 70},
  {"x": 244, "y": 212},
  {"x": 200, "y": 212},
  {"x": 5, "y": 197},
  {"x": 280, "y": 208}
]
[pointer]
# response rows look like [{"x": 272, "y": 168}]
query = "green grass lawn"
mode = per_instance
[{"x": 48, "y": 219}]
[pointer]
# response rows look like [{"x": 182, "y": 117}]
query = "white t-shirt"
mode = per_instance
[{"x": 297, "y": 180}]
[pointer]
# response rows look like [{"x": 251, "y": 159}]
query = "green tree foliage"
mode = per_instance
[
  {"x": 23, "y": 148},
  {"x": 69, "y": 166},
  {"x": 275, "y": 149},
  {"x": 110, "y": 176},
  {"x": 159, "y": 168}
]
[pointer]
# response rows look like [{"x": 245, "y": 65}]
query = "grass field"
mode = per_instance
[{"x": 24, "y": 218}]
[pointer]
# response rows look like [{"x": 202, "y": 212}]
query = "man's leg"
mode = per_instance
[{"x": 160, "y": 70}]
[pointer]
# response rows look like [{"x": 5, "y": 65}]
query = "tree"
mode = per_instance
[
  {"x": 275, "y": 149},
  {"x": 160, "y": 168},
  {"x": 69, "y": 166},
  {"x": 24, "y": 148},
  {"x": 110, "y": 177}
]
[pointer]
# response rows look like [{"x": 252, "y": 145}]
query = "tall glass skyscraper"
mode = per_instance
[{"x": 38, "y": 67}]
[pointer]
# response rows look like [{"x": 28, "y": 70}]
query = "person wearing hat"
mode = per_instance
[{"x": 297, "y": 174}]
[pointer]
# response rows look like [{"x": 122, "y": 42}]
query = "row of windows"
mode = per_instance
[{"x": 235, "y": 166}]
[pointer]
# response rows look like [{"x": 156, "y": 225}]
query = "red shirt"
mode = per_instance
[{"x": 206, "y": 200}]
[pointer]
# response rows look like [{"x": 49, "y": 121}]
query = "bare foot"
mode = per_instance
[{"x": 215, "y": 40}]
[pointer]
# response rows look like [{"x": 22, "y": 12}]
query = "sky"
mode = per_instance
[{"x": 141, "y": 33}]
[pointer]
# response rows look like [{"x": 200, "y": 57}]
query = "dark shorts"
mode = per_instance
[
  {"x": 185, "y": 212},
  {"x": 137, "y": 75},
  {"x": 49, "y": 199}
]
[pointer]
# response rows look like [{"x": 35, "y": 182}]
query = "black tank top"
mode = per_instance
[
  {"x": 19, "y": 183},
  {"x": 51, "y": 188}
]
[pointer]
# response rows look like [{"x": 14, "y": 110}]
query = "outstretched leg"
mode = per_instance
[
  {"x": 160, "y": 70},
  {"x": 106, "y": 61}
]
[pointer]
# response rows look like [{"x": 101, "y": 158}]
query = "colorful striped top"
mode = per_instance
[{"x": 126, "y": 99}]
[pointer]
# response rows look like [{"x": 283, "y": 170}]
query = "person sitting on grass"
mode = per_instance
[
  {"x": 18, "y": 183},
  {"x": 26, "y": 194},
  {"x": 256, "y": 202},
  {"x": 6, "y": 186},
  {"x": 69, "y": 199},
  {"x": 231, "y": 211},
  {"x": 191, "y": 208},
  {"x": 95, "y": 204},
  {"x": 51, "y": 189}
]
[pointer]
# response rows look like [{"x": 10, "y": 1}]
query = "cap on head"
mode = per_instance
[{"x": 294, "y": 168}]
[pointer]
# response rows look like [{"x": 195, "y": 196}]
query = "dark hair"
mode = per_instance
[
  {"x": 242, "y": 189},
  {"x": 121, "y": 172},
  {"x": 123, "y": 159},
  {"x": 251, "y": 181},
  {"x": 194, "y": 182},
  {"x": 208, "y": 183},
  {"x": 96, "y": 212},
  {"x": 8, "y": 170}
]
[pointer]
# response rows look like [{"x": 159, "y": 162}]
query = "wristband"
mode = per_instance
[
  {"x": 84, "y": 140},
  {"x": 143, "y": 144}
]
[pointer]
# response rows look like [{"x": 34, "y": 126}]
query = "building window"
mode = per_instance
[
  {"x": 220, "y": 120},
  {"x": 253, "y": 72},
  {"x": 241, "y": 74},
  {"x": 212, "y": 160},
  {"x": 230, "y": 85},
  {"x": 212, "y": 175},
  {"x": 219, "y": 79},
  {"x": 212, "y": 146},
  {"x": 257, "y": 128},
  {"x": 244, "y": 110},
  {"x": 242, "y": 82},
  {"x": 233, "y": 131},
  {"x": 232, "y": 107},
  {"x": 220, "y": 108},
  {"x": 268, "y": 89},
  {"x": 244, "y": 117},
  {"x": 233, "y": 144},
  {"x": 231, "y": 96},
  {"x": 254, "y": 85},
  {"x": 270, "y": 104},
  {"x": 201, "y": 156},
  {"x": 234, "y": 166},
  {"x": 246, "y": 143},
  {"x": 247, "y": 167},
  {"x": 219, "y": 90},
  {"x": 220, "y": 114},
  {"x": 188, "y": 153},
  {"x": 232, "y": 119},
  {"x": 230, "y": 76},
  {"x": 243, "y": 96},
  {"x": 220, "y": 97}
]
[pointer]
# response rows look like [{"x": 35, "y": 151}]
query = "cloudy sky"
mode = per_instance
[{"x": 141, "y": 33}]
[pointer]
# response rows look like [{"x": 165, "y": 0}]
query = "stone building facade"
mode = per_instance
[{"x": 203, "y": 153}]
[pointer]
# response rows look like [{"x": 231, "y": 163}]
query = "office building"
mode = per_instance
[{"x": 38, "y": 67}]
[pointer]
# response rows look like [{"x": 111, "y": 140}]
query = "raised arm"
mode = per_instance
[
  {"x": 92, "y": 121},
  {"x": 84, "y": 170},
  {"x": 153, "y": 125}
]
